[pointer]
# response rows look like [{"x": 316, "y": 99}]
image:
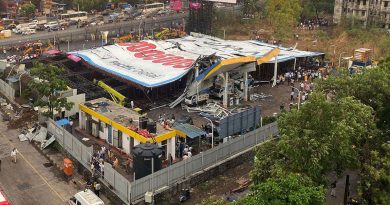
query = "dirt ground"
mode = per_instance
[{"x": 221, "y": 185}]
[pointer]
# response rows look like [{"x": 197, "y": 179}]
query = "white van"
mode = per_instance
[{"x": 86, "y": 197}]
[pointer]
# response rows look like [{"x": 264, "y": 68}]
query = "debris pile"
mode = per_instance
[{"x": 25, "y": 118}]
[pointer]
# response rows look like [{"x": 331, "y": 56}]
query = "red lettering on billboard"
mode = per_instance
[{"x": 146, "y": 51}]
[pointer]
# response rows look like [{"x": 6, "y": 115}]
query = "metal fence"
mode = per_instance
[
  {"x": 209, "y": 158},
  {"x": 129, "y": 192},
  {"x": 7, "y": 90},
  {"x": 84, "y": 153},
  {"x": 70, "y": 143}
]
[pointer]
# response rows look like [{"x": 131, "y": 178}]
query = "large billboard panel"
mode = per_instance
[{"x": 145, "y": 63}]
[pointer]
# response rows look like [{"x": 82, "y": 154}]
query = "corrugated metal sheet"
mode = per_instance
[{"x": 239, "y": 123}]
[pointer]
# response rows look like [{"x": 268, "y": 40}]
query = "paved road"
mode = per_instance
[
  {"x": 29, "y": 181},
  {"x": 114, "y": 28}
]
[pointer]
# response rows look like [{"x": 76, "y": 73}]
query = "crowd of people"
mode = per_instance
[
  {"x": 304, "y": 78},
  {"x": 311, "y": 24},
  {"x": 183, "y": 150}
]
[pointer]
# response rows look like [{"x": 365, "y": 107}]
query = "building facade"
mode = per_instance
[
  {"x": 118, "y": 126},
  {"x": 367, "y": 12}
]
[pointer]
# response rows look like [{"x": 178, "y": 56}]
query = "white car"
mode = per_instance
[
  {"x": 51, "y": 24},
  {"x": 29, "y": 32},
  {"x": 32, "y": 25}
]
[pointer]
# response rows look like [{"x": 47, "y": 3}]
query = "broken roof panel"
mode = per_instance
[{"x": 152, "y": 63}]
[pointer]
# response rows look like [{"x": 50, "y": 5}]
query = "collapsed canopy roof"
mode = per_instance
[{"x": 155, "y": 63}]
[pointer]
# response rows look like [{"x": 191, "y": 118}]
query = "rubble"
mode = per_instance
[{"x": 210, "y": 110}]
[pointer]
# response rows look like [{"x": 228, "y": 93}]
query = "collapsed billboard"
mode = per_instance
[{"x": 146, "y": 63}]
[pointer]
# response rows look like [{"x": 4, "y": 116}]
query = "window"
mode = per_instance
[
  {"x": 102, "y": 125},
  {"x": 386, "y": 4},
  {"x": 120, "y": 141},
  {"x": 363, "y": 13},
  {"x": 364, "y": 2},
  {"x": 117, "y": 136}
]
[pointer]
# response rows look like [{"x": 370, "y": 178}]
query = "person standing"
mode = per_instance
[
  {"x": 97, "y": 188},
  {"x": 292, "y": 95},
  {"x": 333, "y": 189},
  {"x": 14, "y": 152}
]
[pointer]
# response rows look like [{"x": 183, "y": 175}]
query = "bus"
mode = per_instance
[
  {"x": 74, "y": 16},
  {"x": 149, "y": 8}
]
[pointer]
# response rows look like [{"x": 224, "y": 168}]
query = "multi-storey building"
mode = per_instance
[{"x": 367, "y": 12}]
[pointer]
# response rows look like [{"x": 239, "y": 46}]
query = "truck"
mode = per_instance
[
  {"x": 197, "y": 99},
  {"x": 36, "y": 21}
]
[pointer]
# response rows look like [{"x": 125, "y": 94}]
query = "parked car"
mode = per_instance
[
  {"x": 64, "y": 24},
  {"x": 10, "y": 26},
  {"x": 54, "y": 28},
  {"x": 86, "y": 197},
  {"x": 73, "y": 22},
  {"x": 29, "y": 32},
  {"x": 40, "y": 27},
  {"x": 3, "y": 199},
  {"x": 32, "y": 25},
  {"x": 51, "y": 24}
]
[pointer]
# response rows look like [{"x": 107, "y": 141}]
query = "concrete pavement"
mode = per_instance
[{"x": 29, "y": 181}]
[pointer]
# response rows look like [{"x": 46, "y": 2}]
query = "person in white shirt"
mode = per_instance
[
  {"x": 14, "y": 152},
  {"x": 189, "y": 154}
]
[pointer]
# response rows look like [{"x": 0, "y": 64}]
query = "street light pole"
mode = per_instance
[
  {"x": 299, "y": 95},
  {"x": 20, "y": 83},
  {"x": 212, "y": 131},
  {"x": 139, "y": 29},
  {"x": 334, "y": 53},
  {"x": 340, "y": 58}
]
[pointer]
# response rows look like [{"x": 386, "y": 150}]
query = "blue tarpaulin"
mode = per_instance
[{"x": 62, "y": 122}]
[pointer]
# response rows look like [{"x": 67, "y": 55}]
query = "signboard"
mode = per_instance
[
  {"x": 145, "y": 63},
  {"x": 224, "y": 1},
  {"x": 175, "y": 5},
  {"x": 195, "y": 5}
]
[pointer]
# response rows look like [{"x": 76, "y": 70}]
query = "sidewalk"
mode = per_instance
[
  {"x": 29, "y": 181},
  {"x": 340, "y": 188}
]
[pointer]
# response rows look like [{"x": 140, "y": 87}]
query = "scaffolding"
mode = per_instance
[{"x": 200, "y": 19}]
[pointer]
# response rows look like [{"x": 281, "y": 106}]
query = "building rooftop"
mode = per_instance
[{"x": 124, "y": 119}]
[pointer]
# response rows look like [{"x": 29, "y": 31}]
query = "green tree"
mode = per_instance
[
  {"x": 313, "y": 8},
  {"x": 47, "y": 85},
  {"x": 293, "y": 189},
  {"x": 376, "y": 176},
  {"x": 250, "y": 8},
  {"x": 27, "y": 10},
  {"x": 283, "y": 15},
  {"x": 371, "y": 87},
  {"x": 325, "y": 135}
]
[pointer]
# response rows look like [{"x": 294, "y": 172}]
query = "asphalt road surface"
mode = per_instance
[
  {"x": 114, "y": 28},
  {"x": 29, "y": 182}
]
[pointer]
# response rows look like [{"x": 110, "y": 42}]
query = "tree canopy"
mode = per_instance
[
  {"x": 344, "y": 125},
  {"x": 294, "y": 189},
  {"x": 27, "y": 9},
  {"x": 283, "y": 14},
  {"x": 323, "y": 136},
  {"x": 47, "y": 85}
]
